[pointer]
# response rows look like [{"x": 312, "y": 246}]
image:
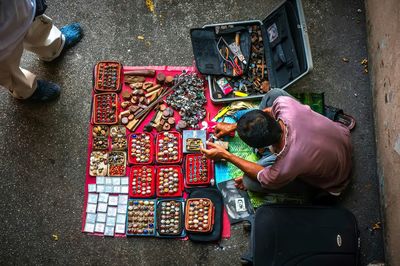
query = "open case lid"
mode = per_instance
[
  {"x": 285, "y": 35},
  {"x": 287, "y": 48}
]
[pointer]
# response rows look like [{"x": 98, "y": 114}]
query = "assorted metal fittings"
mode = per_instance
[{"x": 188, "y": 98}]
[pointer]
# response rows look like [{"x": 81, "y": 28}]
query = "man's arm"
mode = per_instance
[
  {"x": 217, "y": 153},
  {"x": 224, "y": 129}
]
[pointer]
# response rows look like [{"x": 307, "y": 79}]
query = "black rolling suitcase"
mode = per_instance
[{"x": 306, "y": 236}]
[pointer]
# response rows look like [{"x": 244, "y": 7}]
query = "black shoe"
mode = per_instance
[
  {"x": 45, "y": 91},
  {"x": 247, "y": 226},
  {"x": 324, "y": 198}
]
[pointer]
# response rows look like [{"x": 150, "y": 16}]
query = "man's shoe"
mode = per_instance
[
  {"x": 72, "y": 33},
  {"x": 45, "y": 91}
]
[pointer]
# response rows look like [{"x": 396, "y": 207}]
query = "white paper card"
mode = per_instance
[
  {"x": 108, "y": 181},
  {"x": 92, "y": 188},
  {"x": 108, "y": 189},
  {"x": 100, "y": 180},
  {"x": 109, "y": 231},
  {"x": 113, "y": 200},
  {"x": 110, "y": 221},
  {"x": 102, "y": 207},
  {"x": 101, "y": 218},
  {"x": 99, "y": 228},
  {"x": 100, "y": 188},
  {"x": 90, "y": 218},
  {"x": 120, "y": 229},
  {"x": 103, "y": 197},
  {"x": 91, "y": 208},
  {"x": 121, "y": 218},
  {"x": 116, "y": 189},
  {"x": 124, "y": 189},
  {"x": 112, "y": 211},
  {"x": 123, "y": 199},
  {"x": 124, "y": 181},
  {"x": 92, "y": 197},
  {"x": 89, "y": 228},
  {"x": 116, "y": 181},
  {"x": 122, "y": 209}
]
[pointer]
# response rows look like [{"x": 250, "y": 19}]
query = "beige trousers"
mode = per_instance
[{"x": 43, "y": 39}]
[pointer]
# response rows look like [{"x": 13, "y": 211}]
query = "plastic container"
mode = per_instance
[
  {"x": 165, "y": 214},
  {"x": 134, "y": 182},
  {"x": 143, "y": 228},
  {"x": 194, "y": 170},
  {"x": 165, "y": 191},
  {"x": 105, "y": 109},
  {"x": 150, "y": 153},
  {"x": 168, "y": 157},
  {"x": 107, "y": 76}
]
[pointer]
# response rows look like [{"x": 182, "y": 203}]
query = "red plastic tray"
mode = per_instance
[
  {"x": 131, "y": 159},
  {"x": 152, "y": 182},
  {"x": 100, "y": 78},
  {"x": 179, "y": 192},
  {"x": 196, "y": 180},
  {"x": 179, "y": 155},
  {"x": 99, "y": 110}
]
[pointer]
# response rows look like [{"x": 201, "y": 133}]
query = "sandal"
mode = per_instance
[{"x": 337, "y": 115}]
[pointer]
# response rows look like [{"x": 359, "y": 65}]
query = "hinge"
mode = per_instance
[{"x": 302, "y": 26}]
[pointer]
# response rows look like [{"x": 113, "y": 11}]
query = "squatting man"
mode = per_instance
[{"x": 299, "y": 147}]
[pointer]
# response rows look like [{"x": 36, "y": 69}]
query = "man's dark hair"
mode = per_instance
[{"x": 258, "y": 130}]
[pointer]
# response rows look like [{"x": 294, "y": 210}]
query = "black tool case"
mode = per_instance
[
  {"x": 286, "y": 48},
  {"x": 303, "y": 235}
]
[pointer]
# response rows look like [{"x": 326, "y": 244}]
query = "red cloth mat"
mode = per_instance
[{"x": 212, "y": 110}]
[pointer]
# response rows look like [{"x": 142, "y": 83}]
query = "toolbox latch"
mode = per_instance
[{"x": 302, "y": 26}]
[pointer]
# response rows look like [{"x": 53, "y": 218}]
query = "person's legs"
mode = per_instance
[
  {"x": 47, "y": 41},
  {"x": 20, "y": 82},
  {"x": 271, "y": 96},
  {"x": 44, "y": 39},
  {"x": 268, "y": 159},
  {"x": 294, "y": 187}
]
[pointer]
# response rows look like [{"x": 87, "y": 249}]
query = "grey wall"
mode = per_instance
[{"x": 383, "y": 27}]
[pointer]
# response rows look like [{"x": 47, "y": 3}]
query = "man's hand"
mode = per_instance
[
  {"x": 216, "y": 152},
  {"x": 223, "y": 129},
  {"x": 239, "y": 183}
]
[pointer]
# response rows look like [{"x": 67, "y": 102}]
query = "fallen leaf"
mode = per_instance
[
  {"x": 376, "y": 226},
  {"x": 150, "y": 5}
]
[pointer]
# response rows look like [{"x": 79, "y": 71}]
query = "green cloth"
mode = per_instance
[
  {"x": 314, "y": 100},
  {"x": 241, "y": 149},
  {"x": 258, "y": 199}
]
